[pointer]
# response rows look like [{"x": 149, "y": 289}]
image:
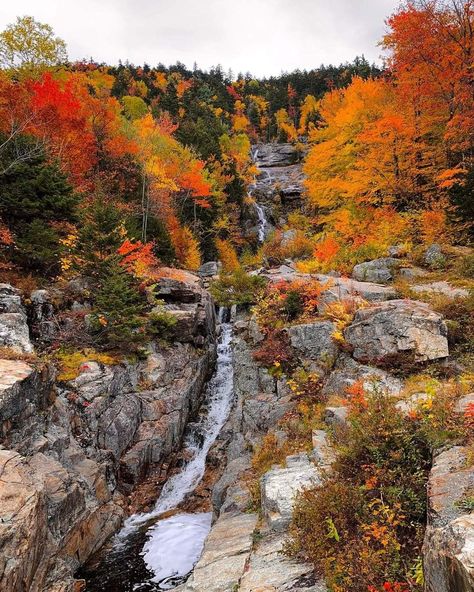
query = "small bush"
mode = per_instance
[
  {"x": 459, "y": 315},
  {"x": 361, "y": 528},
  {"x": 161, "y": 324},
  {"x": 466, "y": 266},
  {"x": 236, "y": 288}
]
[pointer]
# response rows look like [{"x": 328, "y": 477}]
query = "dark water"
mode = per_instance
[{"x": 173, "y": 545}]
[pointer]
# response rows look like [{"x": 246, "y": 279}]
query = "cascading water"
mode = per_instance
[
  {"x": 150, "y": 554},
  {"x": 262, "y": 225},
  {"x": 262, "y": 222}
]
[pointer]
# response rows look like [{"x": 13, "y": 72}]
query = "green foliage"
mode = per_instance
[
  {"x": 118, "y": 319},
  {"x": 466, "y": 266},
  {"x": 31, "y": 186},
  {"x": 38, "y": 248},
  {"x": 362, "y": 526},
  {"x": 162, "y": 324},
  {"x": 293, "y": 305},
  {"x": 36, "y": 203},
  {"x": 134, "y": 107},
  {"x": 236, "y": 288},
  {"x": 100, "y": 235}
]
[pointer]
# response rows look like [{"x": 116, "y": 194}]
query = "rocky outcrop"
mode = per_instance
[
  {"x": 378, "y": 270},
  {"x": 226, "y": 552},
  {"x": 280, "y": 486},
  {"x": 314, "y": 342},
  {"x": 348, "y": 371},
  {"x": 14, "y": 330},
  {"x": 70, "y": 452},
  {"x": 268, "y": 570},
  {"x": 397, "y": 327},
  {"x": 448, "y": 550},
  {"x": 340, "y": 288},
  {"x": 261, "y": 399},
  {"x": 274, "y": 155},
  {"x": 442, "y": 287}
]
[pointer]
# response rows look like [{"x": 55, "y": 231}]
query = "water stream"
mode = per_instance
[
  {"x": 262, "y": 225},
  {"x": 153, "y": 554}
]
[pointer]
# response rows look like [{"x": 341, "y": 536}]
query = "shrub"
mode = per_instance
[
  {"x": 466, "y": 266},
  {"x": 276, "y": 249},
  {"x": 236, "y": 288},
  {"x": 162, "y": 324},
  {"x": 363, "y": 524},
  {"x": 275, "y": 351},
  {"x": 284, "y": 302},
  {"x": 459, "y": 314}
]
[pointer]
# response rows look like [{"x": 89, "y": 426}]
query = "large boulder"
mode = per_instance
[
  {"x": 397, "y": 327},
  {"x": 270, "y": 571},
  {"x": 378, "y": 270},
  {"x": 314, "y": 341},
  {"x": 340, "y": 288},
  {"x": 274, "y": 155},
  {"x": 181, "y": 295},
  {"x": 448, "y": 550},
  {"x": 14, "y": 331},
  {"x": 347, "y": 372},
  {"x": 280, "y": 486},
  {"x": 42, "y": 312},
  {"x": 225, "y": 555}
]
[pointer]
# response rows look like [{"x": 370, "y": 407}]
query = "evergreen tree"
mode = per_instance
[
  {"x": 101, "y": 234},
  {"x": 119, "y": 308},
  {"x": 36, "y": 201},
  {"x": 33, "y": 187}
]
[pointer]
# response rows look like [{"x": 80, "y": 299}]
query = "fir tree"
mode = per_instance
[{"x": 119, "y": 309}]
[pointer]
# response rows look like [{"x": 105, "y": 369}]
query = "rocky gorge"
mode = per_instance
[{"x": 74, "y": 452}]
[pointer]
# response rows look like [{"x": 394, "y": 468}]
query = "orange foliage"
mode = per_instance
[
  {"x": 433, "y": 225},
  {"x": 137, "y": 258},
  {"x": 326, "y": 249},
  {"x": 227, "y": 255}
]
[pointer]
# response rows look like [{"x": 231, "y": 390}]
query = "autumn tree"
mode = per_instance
[
  {"x": 431, "y": 45},
  {"x": 28, "y": 47}
]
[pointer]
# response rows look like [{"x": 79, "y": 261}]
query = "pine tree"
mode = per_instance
[
  {"x": 119, "y": 309},
  {"x": 101, "y": 234}
]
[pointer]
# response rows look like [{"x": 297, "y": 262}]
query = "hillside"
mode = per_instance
[{"x": 236, "y": 320}]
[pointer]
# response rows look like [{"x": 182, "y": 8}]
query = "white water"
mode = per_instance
[
  {"x": 261, "y": 214},
  {"x": 262, "y": 222},
  {"x": 189, "y": 535},
  {"x": 175, "y": 546}
]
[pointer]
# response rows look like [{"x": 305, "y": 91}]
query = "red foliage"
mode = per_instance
[
  {"x": 61, "y": 118},
  {"x": 137, "y": 258}
]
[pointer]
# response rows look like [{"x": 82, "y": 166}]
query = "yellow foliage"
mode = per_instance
[
  {"x": 285, "y": 124},
  {"x": 227, "y": 255},
  {"x": 70, "y": 362}
]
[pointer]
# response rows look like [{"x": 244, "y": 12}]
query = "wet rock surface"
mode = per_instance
[{"x": 71, "y": 452}]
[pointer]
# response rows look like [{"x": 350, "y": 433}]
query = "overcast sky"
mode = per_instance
[{"x": 261, "y": 36}]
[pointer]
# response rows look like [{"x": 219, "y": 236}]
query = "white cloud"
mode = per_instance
[{"x": 261, "y": 36}]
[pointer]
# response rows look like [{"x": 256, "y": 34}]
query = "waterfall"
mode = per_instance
[
  {"x": 261, "y": 213},
  {"x": 160, "y": 556},
  {"x": 262, "y": 222},
  {"x": 219, "y": 394}
]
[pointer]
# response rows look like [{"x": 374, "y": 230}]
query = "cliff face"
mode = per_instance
[{"x": 71, "y": 452}]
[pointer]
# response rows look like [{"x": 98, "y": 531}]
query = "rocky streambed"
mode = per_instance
[{"x": 104, "y": 481}]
